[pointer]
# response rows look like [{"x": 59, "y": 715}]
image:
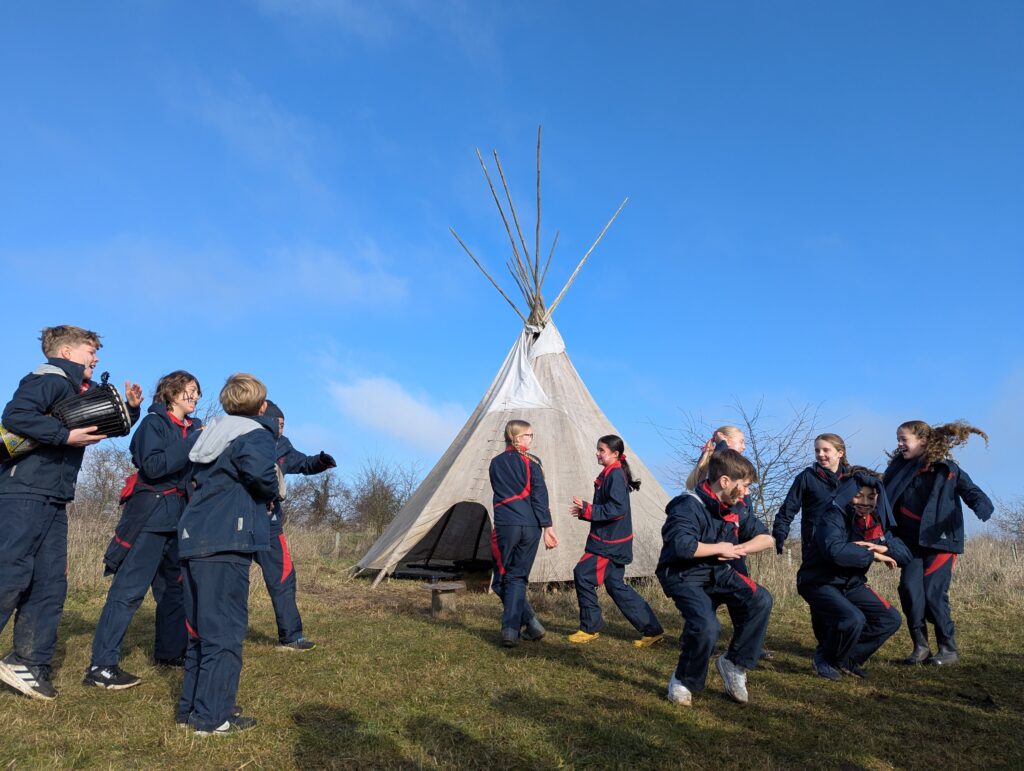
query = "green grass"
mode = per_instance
[{"x": 390, "y": 686}]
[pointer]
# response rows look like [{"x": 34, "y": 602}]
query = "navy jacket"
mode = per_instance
[
  {"x": 611, "y": 524},
  {"x": 158, "y": 494},
  {"x": 520, "y": 495},
  {"x": 235, "y": 478},
  {"x": 51, "y": 470},
  {"x": 699, "y": 517},
  {"x": 810, "y": 494},
  {"x": 831, "y": 557},
  {"x": 940, "y": 521},
  {"x": 291, "y": 461}
]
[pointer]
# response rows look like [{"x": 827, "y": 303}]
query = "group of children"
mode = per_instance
[
  {"x": 204, "y": 504},
  {"x": 910, "y": 519}
]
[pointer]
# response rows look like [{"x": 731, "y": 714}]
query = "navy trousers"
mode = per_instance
[
  {"x": 750, "y": 606},
  {"x": 279, "y": 576},
  {"x": 152, "y": 560},
  {"x": 514, "y": 549},
  {"x": 217, "y": 614},
  {"x": 33, "y": 574},
  {"x": 593, "y": 570},
  {"x": 924, "y": 593},
  {"x": 854, "y": 621}
]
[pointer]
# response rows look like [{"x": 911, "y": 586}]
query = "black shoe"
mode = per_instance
[
  {"x": 33, "y": 681},
  {"x": 112, "y": 678},
  {"x": 299, "y": 644},
  {"x": 944, "y": 657},
  {"x": 509, "y": 638},
  {"x": 919, "y": 655},
  {"x": 185, "y": 721},
  {"x": 177, "y": 661},
  {"x": 823, "y": 669},
  {"x": 855, "y": 669},
  {"x": 534, "y": 630},
  {"x": 230, "y": 726}
]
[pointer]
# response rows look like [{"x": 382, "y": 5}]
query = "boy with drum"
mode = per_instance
[{"x": 35, "y": 489}]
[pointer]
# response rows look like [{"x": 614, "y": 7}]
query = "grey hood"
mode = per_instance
[{"x": 218, "y": 434}]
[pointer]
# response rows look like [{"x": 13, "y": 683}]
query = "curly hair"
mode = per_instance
[{"x": 939, "y": 440}]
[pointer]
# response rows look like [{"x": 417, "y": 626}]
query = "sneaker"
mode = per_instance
[
  {"x": 944, "y": 657},
  {"x": 185, "y": 721},
  {"x": 33, "y": 681},
  {"x": 177, "y": 661},
  {"x": 580, "y": 637},
  {"x": 298, "y": 644},
  {"x": 230, "y": 726},
  {"x": 734, "y": 679},
  {"x": 823, "y": 669},
  {"x": 112, "y": 678},
  {"x": 534, "y": 630},
  {"x": 679, "y": 693},
  {"x": 855, "y": 669},
  {"x": 509, "y": 638},
  {"x": 648, "y": 640}
]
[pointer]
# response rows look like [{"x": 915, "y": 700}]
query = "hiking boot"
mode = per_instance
[
  {"x": 534, "y": 630},
  {"x": 679, "y": 693},
  {"x": 946, "y": 655},
  {"x": 232, "y": 725},
  {"x": 298, "y": 644},
  {"x": 112, "y": 678},
  {"x": 853, "y": 668},
  {"x": 734, "y": 679},
  {"x": 823, "y": 669},
  {"x": 580, "y": 637},
  {"x": 177, "y": 661},
  {"x": 509, "y": 638},
  {"x": 648, "y": 640},
  {"x": 185, "y": 721},
  {"x": 921, "y": 652},
  {"x": 33, "y": 681}
]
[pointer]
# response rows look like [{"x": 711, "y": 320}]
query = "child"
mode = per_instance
[
  {"x": 145, "y": 542},
  {"x": 853, "y": 532},
  {"x": 812, "y": 490},
  {"x": 521, "y": 517},
  {"x": 609, "y": 549},
  {"x": 926, "y": 487},
  {"x": 223, "y": 525},
  {"x": 705, "y": 531},
  {"x": 724, "y": 437},
  {"x": 34, "y": 492},
  {"x": 276, "y": 562}
]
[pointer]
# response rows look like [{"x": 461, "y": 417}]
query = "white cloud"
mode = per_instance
[{"x": 384, "y": 405}]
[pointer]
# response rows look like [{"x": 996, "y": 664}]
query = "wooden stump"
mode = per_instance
[{"x": 442, "y": 596}]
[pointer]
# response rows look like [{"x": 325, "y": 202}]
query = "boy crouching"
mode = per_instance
[{"x": 706, "y": 530}]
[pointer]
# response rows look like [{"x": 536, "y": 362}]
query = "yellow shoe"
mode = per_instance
[
  {"x": 647, "y": 641},
  {"x": 580, "y": 637}
]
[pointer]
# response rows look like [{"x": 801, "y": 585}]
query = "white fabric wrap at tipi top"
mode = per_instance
[{"x": 519, "y": 387}]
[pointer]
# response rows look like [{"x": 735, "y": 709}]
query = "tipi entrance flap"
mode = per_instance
[
  {"x": 462, "y": 534},
  {"x": 517, "y": 385}
]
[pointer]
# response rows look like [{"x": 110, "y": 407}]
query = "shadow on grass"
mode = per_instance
[{"x": 331, "y": 737}]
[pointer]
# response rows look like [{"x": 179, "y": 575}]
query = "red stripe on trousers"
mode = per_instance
[
  {"x": 191, "y": 630},
  {"x": 602, "y": 564},
  {"x": 881, "y": 599},
  {"x": 941, "y": 560},
  {"x": 496, "y": 552},
  {"x": 286, "y": 569},
  {"x": 586, "y": 555},
  {"x": 752, "y": 584}
]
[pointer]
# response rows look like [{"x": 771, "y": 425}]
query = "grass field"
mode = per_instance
[{"x": 391, "y": 687}]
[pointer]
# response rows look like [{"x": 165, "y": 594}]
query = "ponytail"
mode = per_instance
[
  {"x": 614, "y": 443},
  {"x": 700, "y": 471}
]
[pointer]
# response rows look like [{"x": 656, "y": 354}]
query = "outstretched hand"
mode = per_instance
[
  {"x": 576, "y": 510},
  {"x": 327, "y": 461},
  {"x": 133, "y": 393}
]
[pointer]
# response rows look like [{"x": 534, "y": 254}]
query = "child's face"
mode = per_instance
[
  {"x": 733, "y": 490},
  {"x": 909, "y": 444},
  {"x": 736, "y": 441},
  {"x": 524, "y": 440},
  {"x": 605, "y": 455},
  {"x": 280, "y": 426},
  {"x": 865, "y": 500},
  {"x": 826, "y": 454},
  {"x": 186, "y": 401},
  {"x": 83, "y": 353}
]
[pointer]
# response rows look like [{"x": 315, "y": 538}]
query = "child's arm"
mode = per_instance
[
  {"x": 257, "y": 469},
  {"x": 159, "y": 453},
  {"x": 898, "y": 550},
  {"x": 26, "y": 416},
  {"x": 295, "y": 462},
  {"x": 830, "y": 535},
  {"x": 974, "y": 497},
  {"x": 617, "y": 507},
  {"x": 539, "y": 495},
  {"x": 788, "y": 510}
]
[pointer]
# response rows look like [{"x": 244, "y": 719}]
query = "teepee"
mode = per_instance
[{"x": 448, "y": 518}]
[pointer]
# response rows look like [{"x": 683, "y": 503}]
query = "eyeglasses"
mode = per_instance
[{"x": 190, "y": 397}]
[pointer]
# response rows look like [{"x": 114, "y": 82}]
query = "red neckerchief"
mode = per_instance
[
  {"x": 604, "y": 472},
  {"x": 178, "y": 422},
  {"x": 725, "y": 512}
]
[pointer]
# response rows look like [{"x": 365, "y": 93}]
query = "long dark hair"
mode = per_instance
[{"x": 615, "y": 444}]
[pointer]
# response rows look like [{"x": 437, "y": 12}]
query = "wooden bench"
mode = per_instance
[{"x": 442, "y": 595}]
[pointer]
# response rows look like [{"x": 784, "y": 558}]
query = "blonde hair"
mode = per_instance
[
  {"x": 55, "y": 338},
  {"x": 700, "y": 471},
  {"x": 939, "y": 440},
  {"x": 514, "y": 429},
  {"x": 836, "y": 441},
  {"x": 243, "y": 394}
]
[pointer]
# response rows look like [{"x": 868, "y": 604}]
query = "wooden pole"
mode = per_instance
[
  {"x": 495, "y": 283},
  {"x": 501, "y": 210}
]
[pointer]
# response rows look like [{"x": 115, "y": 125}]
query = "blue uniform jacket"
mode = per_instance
[
  {"x": 810, "y": 494},
  {"x": 235, "y": 478},
  {"x": 51, "y": 470},
  {"x": 520, "y": 495},
  {"x": 291, "y": 461},
  {"x": 941, "y": 521},
  {"x": 699, "y": 517},
  {"x": 158, "y": 494},
  {"x": 832, "y": 558},
  {"x": 611, "y": 524}
]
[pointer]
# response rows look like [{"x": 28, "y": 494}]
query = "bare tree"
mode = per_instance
[
  {"x": 104, "y": 470},
  {"x": 317, "y": 501},
  {"x": 1009, "y": 517},
  {"x": 378, "y": 491},
  {"x": 778, "y": 448}
]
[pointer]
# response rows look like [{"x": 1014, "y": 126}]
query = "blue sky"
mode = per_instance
[{"x": 825, "y": 206}]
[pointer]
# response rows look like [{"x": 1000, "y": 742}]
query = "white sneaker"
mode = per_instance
[
  {"x": 679, "y": 693},
  {"x": 734, "y": 679}
]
